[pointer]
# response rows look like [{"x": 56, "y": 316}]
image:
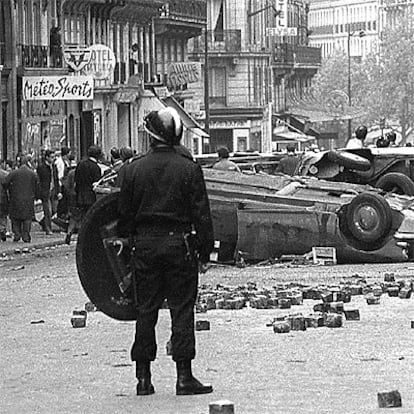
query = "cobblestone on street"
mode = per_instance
[{"x": 51, "y": 367}]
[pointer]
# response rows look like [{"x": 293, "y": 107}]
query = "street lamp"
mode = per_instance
[{"x": 360, "y": 33}]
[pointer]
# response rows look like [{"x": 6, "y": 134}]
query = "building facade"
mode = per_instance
[
  {"x": 257, "y": 55},
  {"x": 130, "y": 49}
]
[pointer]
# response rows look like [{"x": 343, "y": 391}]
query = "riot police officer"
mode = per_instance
[
  {"x": 360, "y": 135},
  {"x": 163, "y": 199}
]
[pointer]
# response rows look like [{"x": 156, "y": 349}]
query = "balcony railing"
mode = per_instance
[
  {"x": 35, "y": 56},
  {"x": 286, "y": 54},
  {"x": 228, "y": 41},
  {"x": 185, "y": 10}
]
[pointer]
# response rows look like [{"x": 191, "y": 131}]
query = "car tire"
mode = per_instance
[
  {"x": 396, "y": 182},
  {"x": 349, "y": 160},
  {"x": 366, "y": 221}
]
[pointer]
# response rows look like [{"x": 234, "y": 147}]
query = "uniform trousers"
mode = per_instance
[
  {"x": 163, "y": 270},
  {"x": 21, "y": 229}
]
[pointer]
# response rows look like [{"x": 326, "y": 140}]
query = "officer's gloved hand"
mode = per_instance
[{"x": 203, "y": 267}]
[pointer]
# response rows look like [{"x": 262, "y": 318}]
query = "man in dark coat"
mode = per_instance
[
  {"x": 23, "y": 189},
  {"x": 289, "y": 162},
  {"x": 50, "y": 191},
  {"x": 87, "y": 172},
  {"x": 163, "y": 198},
  {"x": 4, "y": 204}
]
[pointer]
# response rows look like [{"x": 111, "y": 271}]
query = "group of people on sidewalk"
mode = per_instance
[{"x": 64, "y": 190}]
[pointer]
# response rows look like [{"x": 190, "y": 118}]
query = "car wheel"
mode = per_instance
[
  {"x": 366, "y": 221},
  {"x": 349, "y": 160},
  {"x": 397, "y": 183}
]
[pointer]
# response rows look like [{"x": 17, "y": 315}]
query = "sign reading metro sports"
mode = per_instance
[{"x": 66, "y": 88}]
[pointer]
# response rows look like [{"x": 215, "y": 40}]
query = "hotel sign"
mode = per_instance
[{"x": 65, "y": 88}]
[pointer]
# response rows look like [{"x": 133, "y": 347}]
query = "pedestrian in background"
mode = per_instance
[
  {"x": 22, "y": 186},
  {"x": 223, "y": 162},
  {"x": 163, "y": 197},
  {"x": 116, "y": 162},
  {"x": 74, "y": 212},
  {"x": 4, "y": 204},
  {"x": 392, "y": 138},
  {"x": 50, "y": 191},
  {"x": 287, "y": 165},
  {"x": 358, "y": 141},
  {"x": 87, "y": 172}
]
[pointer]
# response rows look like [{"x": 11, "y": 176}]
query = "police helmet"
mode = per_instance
[
  {"x": 361, "y": 132},
  {"x": 392, "y": 136},
  {"x": 164, "y": 126}
]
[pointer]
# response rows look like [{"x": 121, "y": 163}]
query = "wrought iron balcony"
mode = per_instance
[
  {"x": 35, "y": 56},
  {"x": 227, "y": 41},
  {"x": 191, "y": 10},
  {"x": 297, "y": 56}
]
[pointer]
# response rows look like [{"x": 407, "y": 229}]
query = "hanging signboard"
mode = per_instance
[
  {"x": 65, "y": 88},
  {"x": 181, "y": 73},
  {"x": 102, "y": 63},
  {"x": 282, "y": 31},
  {"x": 282, "y": 8},
  {"x": 77, "y": 57}
]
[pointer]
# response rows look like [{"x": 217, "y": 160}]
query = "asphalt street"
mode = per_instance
[{"x": 49, "y": 367}]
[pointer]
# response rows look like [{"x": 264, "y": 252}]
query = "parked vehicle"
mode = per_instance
[{"x": 391, "y": 169}]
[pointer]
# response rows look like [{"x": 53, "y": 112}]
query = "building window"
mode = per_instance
[{"x": 218, "y": 85}]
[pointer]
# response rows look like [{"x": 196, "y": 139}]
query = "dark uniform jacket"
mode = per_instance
[
  {"x": 87, "y": 172},
  {"x": 166, "y": 190},
  {"x": 4, "y": 200},
  {"x": 23, "y": 189},
  {"x": 44, "y": 172}
]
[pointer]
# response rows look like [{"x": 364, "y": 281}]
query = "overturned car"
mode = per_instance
[
  {"x": 258, "y": 216},
  {"x": 391, "y": 169}
]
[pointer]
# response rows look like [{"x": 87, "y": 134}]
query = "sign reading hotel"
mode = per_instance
[
  {"x": 181, "y": 73},
  {"x": 101, "y": 64},
  {"x": 65, "y": 88},
  {"x": 282, "y": 8}
]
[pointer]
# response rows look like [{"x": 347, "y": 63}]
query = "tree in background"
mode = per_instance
[{"x": 389, "y": 90}]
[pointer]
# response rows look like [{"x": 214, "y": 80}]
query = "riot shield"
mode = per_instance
[{"x": 102, "y": 261}]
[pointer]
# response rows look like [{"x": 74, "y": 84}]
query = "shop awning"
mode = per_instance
[
  {"x": 284, "y": 133},
  {"x": 188, "y": 121},
  {"x": 333, "y": 107}
]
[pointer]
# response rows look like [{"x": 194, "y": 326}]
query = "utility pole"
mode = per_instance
[{"x": 206, "y": 84}]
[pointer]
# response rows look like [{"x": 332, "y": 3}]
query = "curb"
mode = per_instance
[{"x": 32, "y": 246}]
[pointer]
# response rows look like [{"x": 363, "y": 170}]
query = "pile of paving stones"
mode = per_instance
[{"x": 329, "y": 311}]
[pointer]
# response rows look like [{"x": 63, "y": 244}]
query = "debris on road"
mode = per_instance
[
  {"x": 221, "y": 407},
  {"x": 389, "y": 399},
  {"x": 78, "y": 319},
  {"x": 202, "y": 325},
  {"x": 37, "y": 322}
]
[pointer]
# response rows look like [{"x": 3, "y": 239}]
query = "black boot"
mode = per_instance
[
  {"x": 144, "y": 386},
  {"x": 186, "y": 383}
]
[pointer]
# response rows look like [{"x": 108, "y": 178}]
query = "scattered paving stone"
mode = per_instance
[
  {"x": 78, "y": 319},
  {"x": 352, "y": 314},
  {"x": 412, "y": 324},
  {"x": 404, "y": 293},
  {"x": 221, "y": 407},
  {"x": 389, "y": 399},
  {"x": 377, "y": 291},
  {"x": 336, "y": 307},
  {"x": 393, "y": 291},
  {"x": 284, "y": 303},
  {"x": 202, "y": 325},
  {"x": 281, "y": 327},
  {"x": 373, "y": 300},
  {"x": 17, "y": 268},
  {"x": 389, "y": 277},
  {"x": 17, "y": 251},
  {"x": 333, "y": 320},
  {"x": 315, "y": 320},
  {"x": 297, "y": 322},
  {"x": 90, "y": 307}
]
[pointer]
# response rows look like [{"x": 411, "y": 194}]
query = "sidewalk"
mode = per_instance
[{"x": 39, "y": 240}]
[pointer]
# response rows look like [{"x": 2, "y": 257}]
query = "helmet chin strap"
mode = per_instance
[{"x": 155, "y": 136}]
